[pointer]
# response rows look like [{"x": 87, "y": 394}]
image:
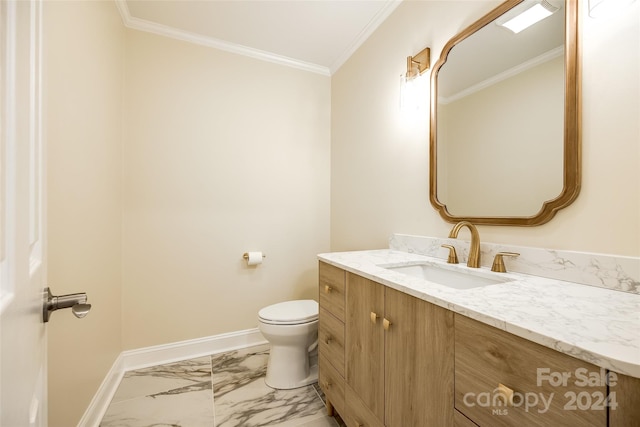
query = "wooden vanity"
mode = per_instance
[{"x": 387, "y": 358}]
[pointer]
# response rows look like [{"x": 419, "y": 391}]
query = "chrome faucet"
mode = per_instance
[{"x": 474, "y": 250}]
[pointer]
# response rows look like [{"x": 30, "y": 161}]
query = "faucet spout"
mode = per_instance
[{"x": 474, "y": 250}]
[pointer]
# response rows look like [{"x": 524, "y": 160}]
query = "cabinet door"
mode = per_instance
[
  {"x": 365, "y": 342},
  {"x": 419, "y": 358},
  {"x": 625, "y": 391}
]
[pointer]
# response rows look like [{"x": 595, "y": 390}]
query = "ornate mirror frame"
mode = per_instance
[{"x": 572, "y": 124}]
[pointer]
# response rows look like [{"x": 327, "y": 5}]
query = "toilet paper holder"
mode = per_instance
[{"x": 246, "y": 256}]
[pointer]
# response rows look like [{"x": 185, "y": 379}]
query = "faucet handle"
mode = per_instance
[
  {"x": 498, "y": 262},
  {"x": 453, "y": 257}
]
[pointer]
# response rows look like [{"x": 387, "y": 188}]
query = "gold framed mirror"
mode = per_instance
[{"x": 505, "y": 138}]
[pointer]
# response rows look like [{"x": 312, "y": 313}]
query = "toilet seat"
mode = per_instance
[{"x": 290, "y": 313}]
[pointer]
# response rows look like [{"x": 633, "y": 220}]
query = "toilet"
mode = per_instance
[{"x": 291, "y": 328}]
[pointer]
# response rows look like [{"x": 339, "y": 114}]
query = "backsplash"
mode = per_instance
[{"x": 618, "y": 273}]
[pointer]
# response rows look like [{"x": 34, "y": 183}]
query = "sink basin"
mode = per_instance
[{"x": 451, "y": 277}]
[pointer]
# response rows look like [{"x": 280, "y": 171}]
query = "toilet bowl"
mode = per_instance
[{"x": 292, "y": 331}]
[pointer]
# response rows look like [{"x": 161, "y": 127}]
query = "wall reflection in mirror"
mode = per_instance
[{"x": 499, "y": 129}]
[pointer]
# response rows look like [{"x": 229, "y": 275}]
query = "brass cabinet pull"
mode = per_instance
[
  {"x": 327, "y": 384},
  {"x": 328, "y": 339},
  {"x": 498, "y": 262},
  {"x": 507, "y": 393},
  {"x": 327, "y": 289},
  {"x": 386, "y": 324},
  {"x": 374, "y": 316}
]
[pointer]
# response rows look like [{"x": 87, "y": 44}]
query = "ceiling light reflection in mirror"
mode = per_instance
[{"x": 525, "y": 15}]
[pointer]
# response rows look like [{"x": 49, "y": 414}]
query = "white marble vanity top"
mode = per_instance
[{"x": 597, "y": 325}]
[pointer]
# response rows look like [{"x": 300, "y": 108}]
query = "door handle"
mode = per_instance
[{"x": 77, "y": 303}]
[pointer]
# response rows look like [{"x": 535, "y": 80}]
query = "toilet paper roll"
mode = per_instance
[{"x": 254, "y": 258}]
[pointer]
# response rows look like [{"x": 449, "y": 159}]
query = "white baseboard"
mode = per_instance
[
  {"x": 159, "y": 355},
  {"x": 182, "y": 350},
  {"x": 100, "y": 402}
]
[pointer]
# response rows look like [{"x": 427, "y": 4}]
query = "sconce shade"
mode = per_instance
[{"x": 414, "y": 93}]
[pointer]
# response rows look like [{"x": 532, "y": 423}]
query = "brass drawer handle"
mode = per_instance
[
  {"x": 327, "y": 289},
  {"x": 327, "y": 384},
  {"x": 507, "y": 393},
  {"x": 374, "y": 316},
  {"x": 386, "y": 324},
  {"x": 328, "y": 339}
]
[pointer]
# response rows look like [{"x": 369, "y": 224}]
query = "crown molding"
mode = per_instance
[
  {"x": 163, "y": 30},
  {"x": 375, "y": 22}
]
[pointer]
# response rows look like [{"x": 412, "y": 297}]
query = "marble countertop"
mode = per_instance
[{"x": 597, "y": 325}]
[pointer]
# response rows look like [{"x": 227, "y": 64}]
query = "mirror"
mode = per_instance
[{"x": 505, "y": 119}]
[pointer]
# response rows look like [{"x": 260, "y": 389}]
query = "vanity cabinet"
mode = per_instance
[
  {"x": 504, "y": 380},
  {"x": 399, "y": 358},
  {"x": 389, "y": 359}
]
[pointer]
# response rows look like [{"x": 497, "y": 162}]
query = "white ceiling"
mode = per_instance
[{"x": 315, "y": 35}]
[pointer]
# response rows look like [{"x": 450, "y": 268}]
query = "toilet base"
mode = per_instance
[
  {"x": 284, "y": 373},
  {"x": 312, "y": 378}
]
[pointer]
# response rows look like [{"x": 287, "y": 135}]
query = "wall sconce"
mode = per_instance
[
  {"x": 600, "y": 8},
  {"x": 413, "y": 94},
  {"x": 418, "y": 64}
]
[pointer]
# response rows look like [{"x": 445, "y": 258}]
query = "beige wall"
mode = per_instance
[
  {"x": 223, "y": 154},
  {"x": 84, "y": 45},
  {"x": 379, "y": 169}
]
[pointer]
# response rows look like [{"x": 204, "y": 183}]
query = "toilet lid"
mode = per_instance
[{"x": 290, "y": 312}]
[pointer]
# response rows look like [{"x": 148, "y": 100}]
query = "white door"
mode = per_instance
[{"x": 23, "y": 370}]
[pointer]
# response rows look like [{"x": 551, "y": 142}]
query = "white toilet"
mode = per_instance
[{"x": 292, "y": 331}]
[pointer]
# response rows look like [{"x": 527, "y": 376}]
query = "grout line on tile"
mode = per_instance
[{"x": 213, "y": 394}]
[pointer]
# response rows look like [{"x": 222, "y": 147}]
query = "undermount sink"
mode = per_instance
[{"x": 451, "y": 277}]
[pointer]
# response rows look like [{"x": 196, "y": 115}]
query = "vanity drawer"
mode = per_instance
[
  {"x": 332, "y": 384},
  {"x": 331, "y": 339},
  {"x": 357, "y": 414},
  {"x": 486, "y": 357},
  {"x": 332, "y": 289}
]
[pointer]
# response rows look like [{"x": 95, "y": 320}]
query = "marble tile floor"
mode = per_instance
[{"x": 222, "y": 390}]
